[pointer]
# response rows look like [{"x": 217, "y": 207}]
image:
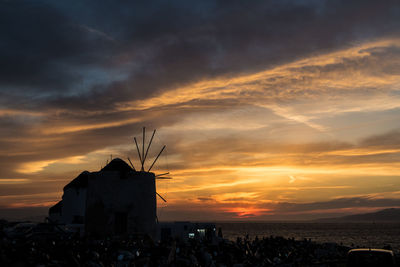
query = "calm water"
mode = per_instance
[{"x": 374, "y": 235}]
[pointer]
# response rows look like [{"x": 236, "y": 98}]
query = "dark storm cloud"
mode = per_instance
[
  {"x": 39, "y": 48},
  {"x": 48, "y": 47}
]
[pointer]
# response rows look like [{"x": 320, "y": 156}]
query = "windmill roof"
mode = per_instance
[
  {"x": 115, "y": 165},
  {"x": 119, "y": 165},
  {"x": 79, "y": 182},
  {"x": 56, "y": 208}
]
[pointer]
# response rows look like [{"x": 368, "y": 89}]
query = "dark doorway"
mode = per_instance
[
  {"x": 121, "y": 222},
  {"x": 165, "y": 234}
]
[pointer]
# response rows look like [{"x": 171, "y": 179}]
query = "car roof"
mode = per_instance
[{"x": 371, "y": 250}]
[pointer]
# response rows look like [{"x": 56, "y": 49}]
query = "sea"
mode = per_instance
[{"x": 367, "y": 235}]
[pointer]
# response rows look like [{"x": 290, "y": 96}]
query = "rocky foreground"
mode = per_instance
[
  {"x": 73, "y": 251},
  {"x": 60, "y": 249}
]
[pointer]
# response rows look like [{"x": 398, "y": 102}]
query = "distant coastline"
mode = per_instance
[{"x": 386, "y": 215}]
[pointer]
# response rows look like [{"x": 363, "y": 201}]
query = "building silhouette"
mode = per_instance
[{"x": 116, "y": 200}]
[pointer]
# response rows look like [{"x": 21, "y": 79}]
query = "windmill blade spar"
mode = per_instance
[
  {"x": 138, "y": 151},
  {"x": 162, "y": 174},
  {"x": 143, "y": 158},
  {"x": 161, "y": 197},
  {"x": 157, "y": 157},
  {"x": 133, "y": 167},
  {"x": 147, "y": 150}
]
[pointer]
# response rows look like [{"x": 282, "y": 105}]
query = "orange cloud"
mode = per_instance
[
  {"x": 278, "y": 134},
  {"x": 31, "y": 205},
  {"x": 247, "y": 212}
]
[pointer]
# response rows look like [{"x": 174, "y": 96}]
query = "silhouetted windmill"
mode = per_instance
[{"x": 142, "y": 157}]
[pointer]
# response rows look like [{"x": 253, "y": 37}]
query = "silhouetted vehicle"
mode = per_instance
[{"x": 367, "y": 257}]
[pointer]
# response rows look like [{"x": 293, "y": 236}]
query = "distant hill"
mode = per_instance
[{"x": 386, "y": 215}]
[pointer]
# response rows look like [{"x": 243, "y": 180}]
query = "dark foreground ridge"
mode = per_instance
[{"x": 56, "y": 248}]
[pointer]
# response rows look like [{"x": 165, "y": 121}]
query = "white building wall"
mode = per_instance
[
  {"x": 55, "y": 217},
  {"x": 74, "y": 205},
  {"x": 133, "y": 195}
]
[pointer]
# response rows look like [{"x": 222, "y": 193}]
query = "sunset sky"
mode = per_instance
[{"x": 270, "y": 110}]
